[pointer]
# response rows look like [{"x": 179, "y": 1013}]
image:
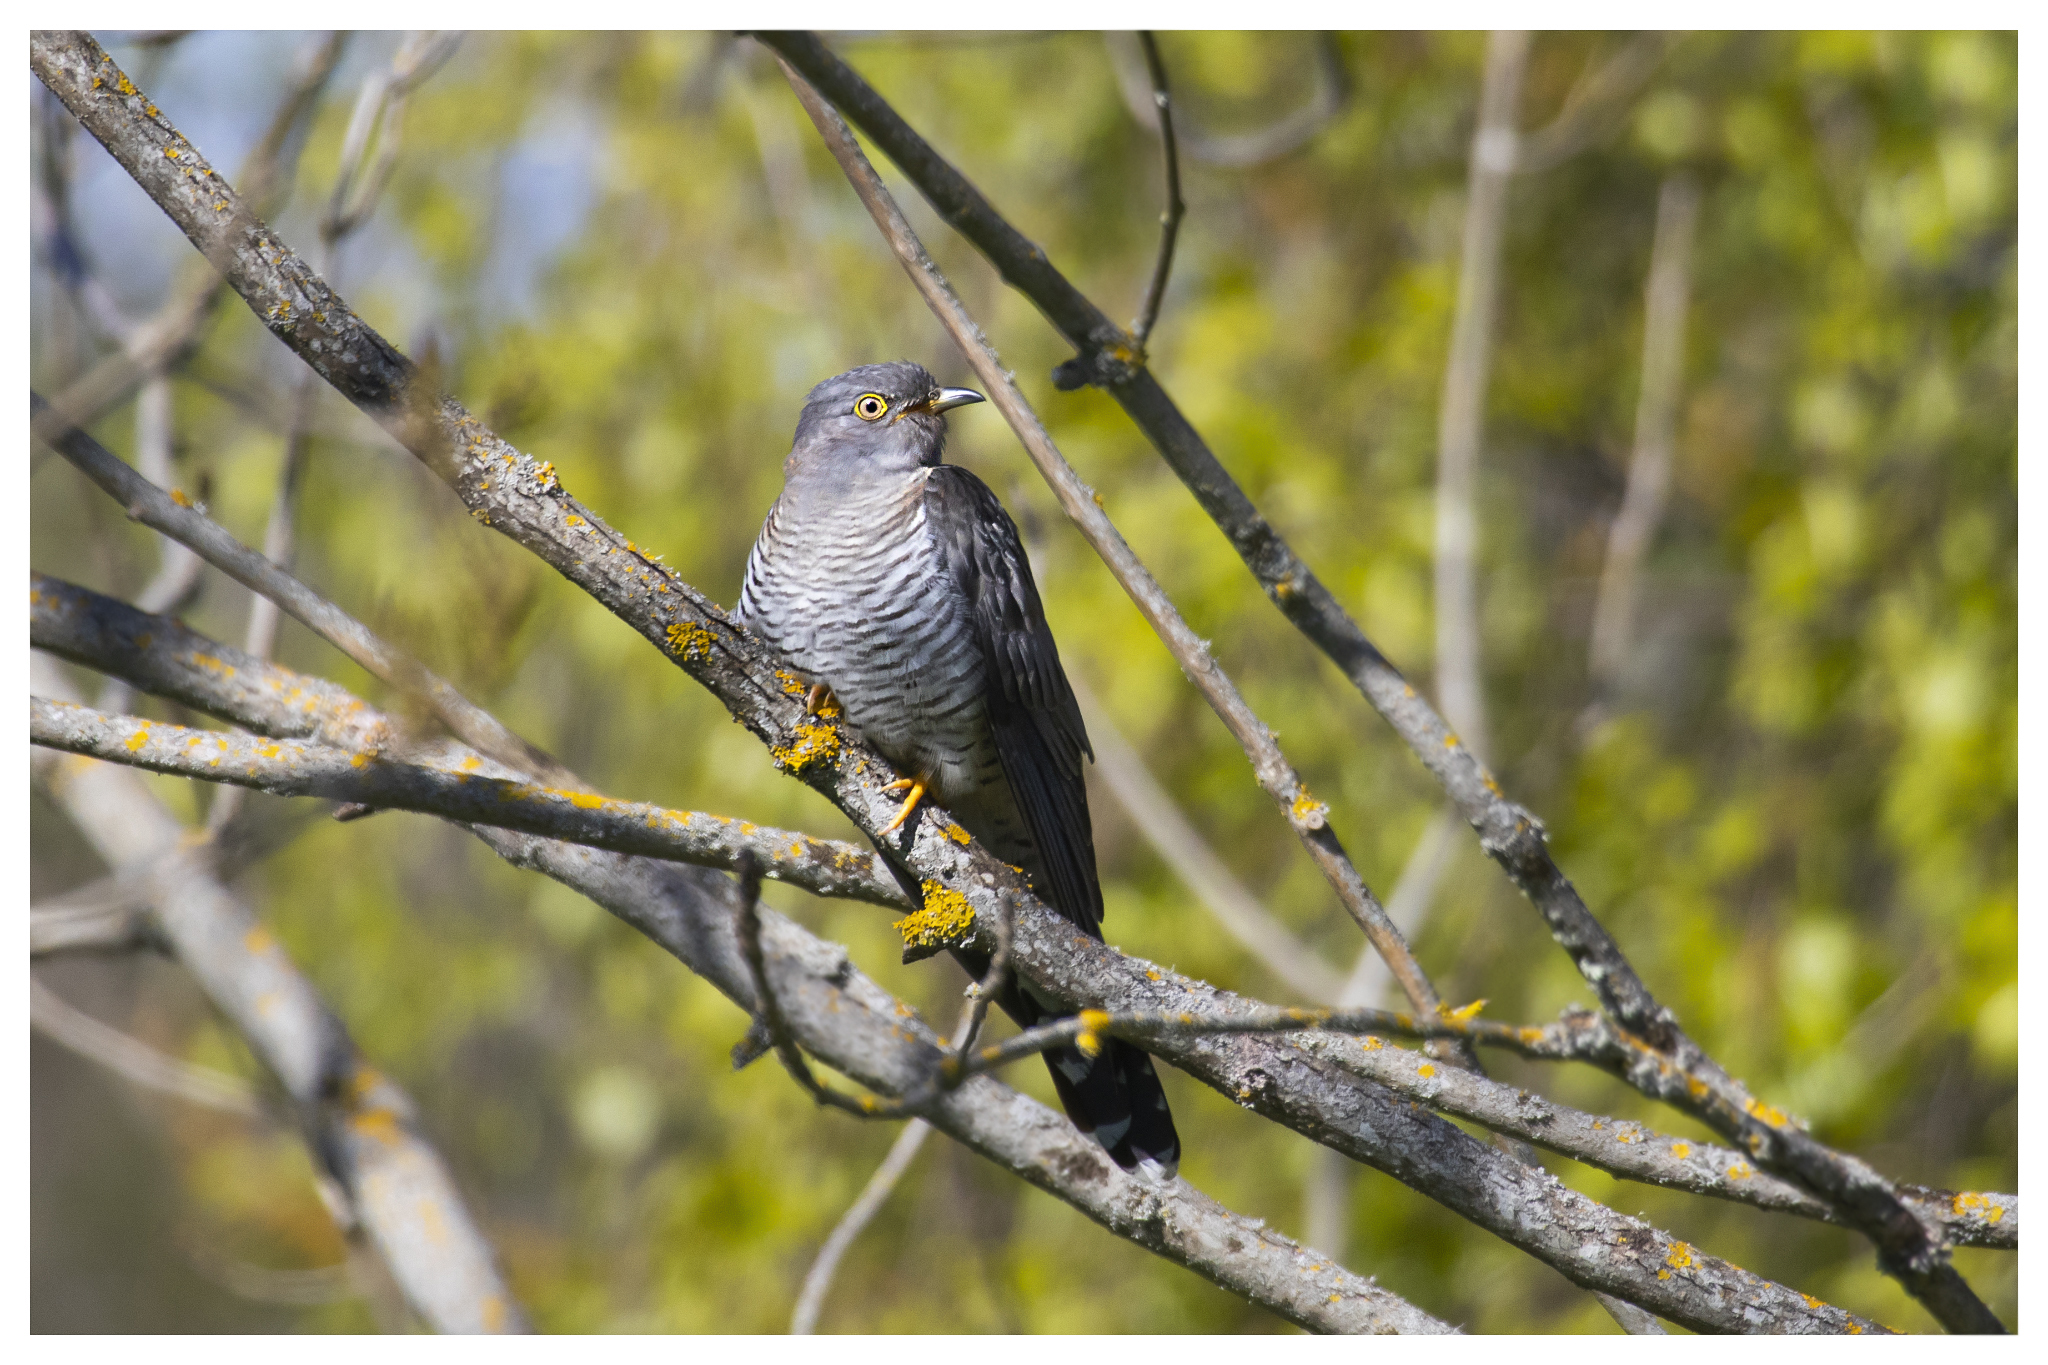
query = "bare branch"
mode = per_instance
[
  {"x": 1169, "y": 220},
  {"x": 1328, "y": 96},
  {"x": 1649, "y": 470},
  {"x": 1461, "y": 419},
  {"x": 1512, "y": 835},
  {"x": 133, "y": 1059},
  {"x": 362, "y": 1128},
  {"x": 810, "y": 1301},
  {"x": 521, "y": 498},
  {"x": 1594, "y": 104},
  {"x": 187, "y": 524},
  {"x": 1191, "y": 859},
  {"x": 152, "y": 347}
]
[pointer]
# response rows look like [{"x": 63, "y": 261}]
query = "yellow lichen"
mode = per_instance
[
  {"x": 1425, "y": 1070},
  {"x": 1812, "y": 1302},
  {"x": 138, "y": 739},
  {"x": 1465, "y": 1012},
  {"x": 688, "y": 640},
  {"x": 1741, "y": 1170},
  {"x": 814, "y": 744},
  {"x": 1307, "y": 810},
  {"x": 947, "y": 918},
  {"x": 181, "y": 497},
  {"x": 1680, "y": 1257},
  {"x": 953, "y": 832},
  {"x": 1371, "y": 1044},
  {"x": 1766, "y": 1113},
  {"x": 1681, "y": 1150},
  {"x": 1090, "y": 1038}
]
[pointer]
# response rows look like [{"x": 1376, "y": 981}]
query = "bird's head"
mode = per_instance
[{"x": 874, "y": 419}]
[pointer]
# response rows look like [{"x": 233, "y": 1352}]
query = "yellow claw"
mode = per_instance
[{"x": 916, "y": 787}]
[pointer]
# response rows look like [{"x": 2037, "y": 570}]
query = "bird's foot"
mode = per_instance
[
  {"x": 821, "y": 701},
  {"x": 916, "y": 789}
]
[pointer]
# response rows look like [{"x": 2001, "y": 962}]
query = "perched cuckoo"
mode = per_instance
[{"x": 897, "y": 586}]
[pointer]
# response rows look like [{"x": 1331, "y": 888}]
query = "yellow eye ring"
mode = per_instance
[{"x": 870, "y": 406}]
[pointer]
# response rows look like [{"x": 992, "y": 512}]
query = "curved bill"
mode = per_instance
[{"x": 954, "y": 398}]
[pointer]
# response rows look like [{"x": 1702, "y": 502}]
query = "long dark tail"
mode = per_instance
[{"x": 1114, "y": 1097}]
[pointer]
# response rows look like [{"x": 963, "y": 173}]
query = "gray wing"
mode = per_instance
[{"x": 1031, "y": 706}]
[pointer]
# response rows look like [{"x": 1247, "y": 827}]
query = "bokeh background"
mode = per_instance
[{"x": 632, "y": 258}]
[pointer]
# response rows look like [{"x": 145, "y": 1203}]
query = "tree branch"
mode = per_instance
[
  {"x": 133, "y": 1059},
  {"x": 521, "y": 498},
  {"x": 1240, "y": 151},
  {"x": 1169, "y": 220},
  {"x": 1649, "y": 470},
  {"x": 1907, "y": 1248},
  {"x": 361, "y": 1127},
  {"x": 1461, "y": 419},
  {"x": 190, "y": 673}
]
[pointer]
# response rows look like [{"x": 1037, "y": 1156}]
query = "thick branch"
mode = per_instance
[
  {"x": 1514, "y": 837},
  {"x": 362, "y": 1127},
  {"x": 189, "y": 673},
  {"x": 509, "y": 491}
]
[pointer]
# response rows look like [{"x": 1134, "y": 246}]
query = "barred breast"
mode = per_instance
[{"x": 848, "y": 581}]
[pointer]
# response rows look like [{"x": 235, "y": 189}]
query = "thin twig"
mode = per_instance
[
  {"x": 1511, "y": 834},
  {"x": 810, "y": 1300},
  {"x": 1329, "y": 93},
  {"x": 135, "y": 1060},
  {"x": 1169, "y": 219},
  {"x": 1649, "y": 470}
]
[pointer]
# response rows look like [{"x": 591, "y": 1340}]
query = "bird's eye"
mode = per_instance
[{"x": 869, "y": 406}]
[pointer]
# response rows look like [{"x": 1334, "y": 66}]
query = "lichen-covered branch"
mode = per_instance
[
  {"x": 520, "y": 497},
  {"x": 188, "y": 672},
  {"x": 1682, "y": 1073},
  {"x": 462, "y": 790},
  {"x": 361, "y": 1126}
]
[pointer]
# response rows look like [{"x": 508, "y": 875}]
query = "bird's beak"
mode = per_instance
[{"x": 953, "y": 398}]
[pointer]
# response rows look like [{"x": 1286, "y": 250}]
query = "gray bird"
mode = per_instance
[{"x": 897, "y": 586}]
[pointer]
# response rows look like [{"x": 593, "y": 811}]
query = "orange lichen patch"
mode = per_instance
[
  {"x": 1766, "y": 1113},
  {"x": 1741, "y": 1170},
  {"x": 1968, "y": 1203},
  {"x": 1681, "y": 1150},
  {"x": 814, "y": 744},
  {"x": 1695, "y": 1087},
  {"x": 1462, "y": 1013},
  {"x": 1307, "y": 810},
  {"x": 1681, "y": 1257},
  {"x": 471, "y": 764},
  {"x": 791, "y": 684},
  {"x": 359, "y": 760},
  {"x": 947, "y": 918},
  {"x": 582, "y": 800},
  {"x": 1812, "y": 1302},
  {"x": 688, "y": 640},
  {"x": 956, "y": 834},
  {"x": 572, "y": 520},
  {"x": 211, "y": 664},
  {"x": 1853, "y": 1330},
  {"x": 138, "y": 739},
  {"x": 1425, "y": 1070},
  {"x": 1486, "y": 780},
  {"x": 1371, "y": 1044},
  {"x": 258, "y": 940},
  {"x": 1530, "y": 1035},
  {"x": 1450, "y": 741},
  {"x": 1153, "y": 976},
  {"x": 379, "y": 1123},
  {"x": 1629, "y": 1135}
]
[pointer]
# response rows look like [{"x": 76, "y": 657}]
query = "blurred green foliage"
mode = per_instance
[{"x": 1799, "y": 820}]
